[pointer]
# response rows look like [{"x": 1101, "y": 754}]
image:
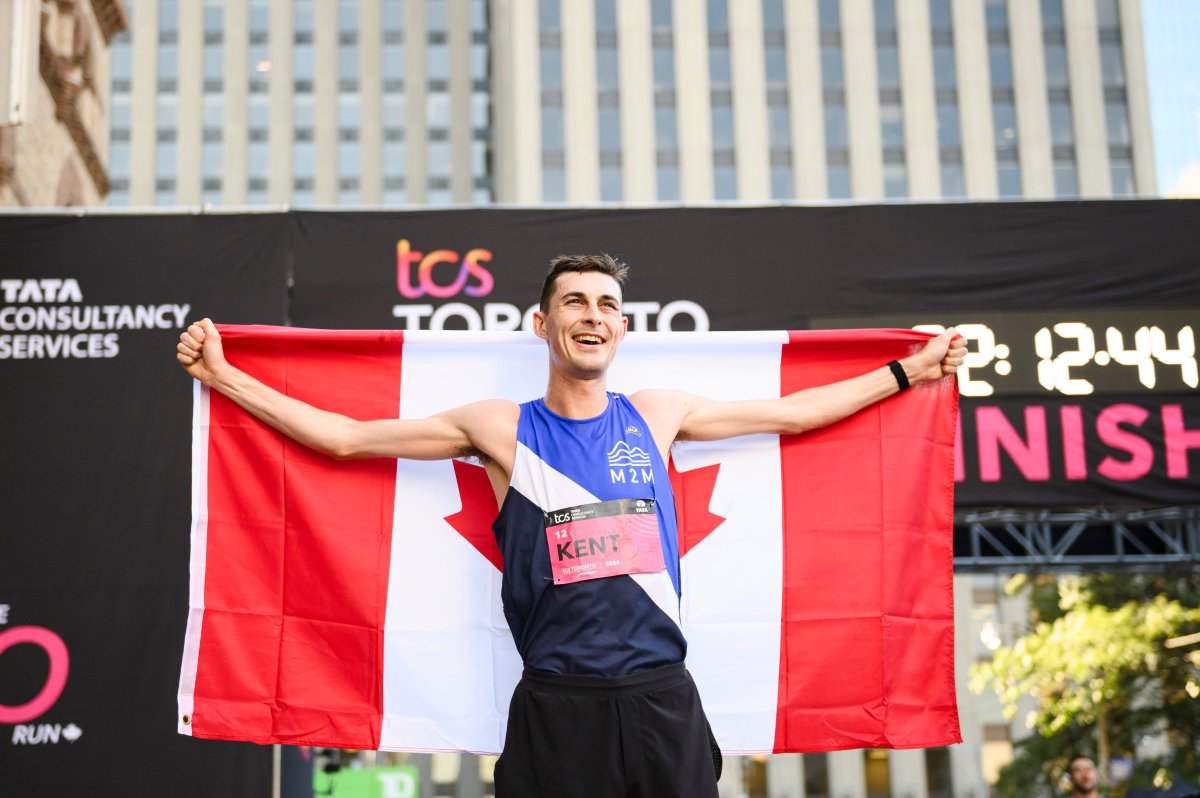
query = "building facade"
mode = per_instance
[
  {"x": 54, "y": 133},
  {"x": 398, "y": 102}
]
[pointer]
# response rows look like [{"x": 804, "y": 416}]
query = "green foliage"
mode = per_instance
[{"x": 1103, "y": 648}]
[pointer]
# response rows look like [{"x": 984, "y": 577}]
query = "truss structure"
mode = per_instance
[{"x": 1091, "y": 538}]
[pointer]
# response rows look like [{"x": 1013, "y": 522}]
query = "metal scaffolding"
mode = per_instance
[{"x": 1089, "y": 538}]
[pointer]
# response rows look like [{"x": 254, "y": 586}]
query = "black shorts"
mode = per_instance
[{"x": 637, "y": 736}]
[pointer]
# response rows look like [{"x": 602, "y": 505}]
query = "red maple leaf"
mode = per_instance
[
  {"x": 474, "y": 520},
  {"x": 693, "y": 495}
]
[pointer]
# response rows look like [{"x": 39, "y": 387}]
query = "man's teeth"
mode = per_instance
[{"x": 588, "y": 339}]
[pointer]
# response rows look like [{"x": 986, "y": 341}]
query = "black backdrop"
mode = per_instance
[{"x": 93, "y": 536}]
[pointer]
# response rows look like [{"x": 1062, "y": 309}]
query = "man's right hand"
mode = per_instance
[{"x": 200, "y": 352}]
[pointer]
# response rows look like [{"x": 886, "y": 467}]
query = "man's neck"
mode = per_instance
[
  {"x": 1093, "y": 793},
  {"x": 577, "y": 398}
]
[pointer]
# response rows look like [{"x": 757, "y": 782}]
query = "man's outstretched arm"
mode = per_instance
[
  {"x": 691, "y": 417},
  {"x": 453, "y": 433}
]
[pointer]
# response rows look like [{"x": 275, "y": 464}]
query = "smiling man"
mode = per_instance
[{"x": 587, "y": 530}]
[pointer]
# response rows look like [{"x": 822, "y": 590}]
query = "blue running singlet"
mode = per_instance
[{"x": 611, "y": 626}]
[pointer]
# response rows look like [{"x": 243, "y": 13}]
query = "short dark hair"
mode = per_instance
[{"x": 603, "y": 263}]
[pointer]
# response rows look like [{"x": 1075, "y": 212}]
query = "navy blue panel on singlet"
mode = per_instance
[{"x": 612, "y": 626}]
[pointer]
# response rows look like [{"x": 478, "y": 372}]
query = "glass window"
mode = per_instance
[
  {"x": 393, "y": 61},
  {"x": 664, "y": 68},
  {"x": 302, "y": 159},
  {"x": 1117, "y": 120},
  {"x": 302, "y": 63},
  {"x": 609, "y": 120},
  {"x": 164, "y": 158},
  {"x": 660, "y": 13},
  {"x": 938, "y": 773},
  {"x": 891, "y": 119},
  {"x": 776, "y": 60},
  {"x": 885, "y": 15},
  {"x": 780, "y": 127},
  {"x": 1004, "y": 118},
  {"x": 1056, "y": 66},
  {"x": 393, "y": 111},
  {"x": 118, "y": 159},
  {"x": 348, "y": 61},
  {"x": 348, "y": 15},
  {"x": 393, "y": 158},
  {"x": 1112, "y": 67},
  {"x": 1062, "y": 130},
  {"x": 1122, "y": 178},
  {"x": 1052, "y": 14},
  {"x": 1108, "y": 15},
  {"x": 829, "y": 15},
  {"x": 348, "y": 108},
  {"x": 948, "y": 128},
  {"x": 718, "y": 15},
  {"x": 667, "y": 180},
  {"x": 168, "y": 15},
  {"x": 607, "y": 71},
  {"x": 944, "y": 71},
  {"x": 895, "y": 180},
  {"x": 940, "y": 15},
  {"x": 302, "y": 15},
  {"x": 437, "y": 110},
  {"x": 718, "y": 66},
  {"x": 436, "y": 18},
  {"x": 996, "y": 13},
  {"x": 831, "y": 68},
  {"x": 211, "y": 159},
  {"x": 437, "y": 61},
  {"x": 347, "y": 157},
  {"x": 393, "y": 14},
  {"x": 610, "y": 184},
  {"x": 1066, "y": 180},
  {"x": 665, "y": 133},
  {"x": 889, "y": 67},
  {"x": 781, "y": 182},
  {"x": 839, "y": 188},
  {"x": 835, "y": 126},
  {"x": 724, "y": 182},
  {"x": 257, "y": 160},
  {"x": 554, "y": 184},
  {"x": 772, "y": 12},
  {"x": 1008, "y": 174},
  {"x": 548, "y": 15},
  {"x": 259, "y": 17},
  {"x": 551, "y": 68},
  {"x": 722, "y": 127},
  {"x": 1000, "y": 64},
  {"x": 954, "y": 182},
  {"x": 168, "y": 62},
  {"x": 552, "y": 128},
  {"x": 606, "y": 16}
]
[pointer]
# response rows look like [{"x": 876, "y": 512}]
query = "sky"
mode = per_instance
[{"x": 1172, "y": 30}]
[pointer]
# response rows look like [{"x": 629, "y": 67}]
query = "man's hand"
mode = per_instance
[
  {"x": 200, "y": 351},
  {"x": 939, "y": 358}
]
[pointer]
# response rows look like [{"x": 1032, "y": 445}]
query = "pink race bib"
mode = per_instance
[{"x": 591, "y": 541}]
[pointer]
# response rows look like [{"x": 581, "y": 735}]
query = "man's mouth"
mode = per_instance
[{"x": 588, "y": 339}]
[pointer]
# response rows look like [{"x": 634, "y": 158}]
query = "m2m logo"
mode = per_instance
[
  {"x": 629, "y": 465},
  {"x": 469, "y": 266}
]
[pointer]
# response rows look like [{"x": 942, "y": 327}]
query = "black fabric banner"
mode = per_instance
[{"x": 96, "y": 463}]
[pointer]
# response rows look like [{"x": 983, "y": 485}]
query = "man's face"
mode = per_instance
[
  {"x": 1083, "y": 775},
  {"x": 582, "y": 323}
]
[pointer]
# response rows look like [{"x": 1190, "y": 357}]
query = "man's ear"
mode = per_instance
[{"x": 539, "y": 324}]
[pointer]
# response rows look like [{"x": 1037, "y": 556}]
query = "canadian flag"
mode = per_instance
[{"x": 356, "y": 604}]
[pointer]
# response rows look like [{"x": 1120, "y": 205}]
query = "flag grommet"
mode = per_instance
[{"x": 187, "y": 720}]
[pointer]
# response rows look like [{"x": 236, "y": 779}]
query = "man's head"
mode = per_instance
[
  {"x": 603, "y": 263},
  {"x": 1081, "y": 771},
  {"x": 580, "y": 315}
]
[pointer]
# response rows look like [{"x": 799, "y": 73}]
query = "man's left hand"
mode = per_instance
[{"x": 939, "y": 358}]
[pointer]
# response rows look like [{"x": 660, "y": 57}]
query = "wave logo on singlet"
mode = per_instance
[
  {"x": 629, "y": 465},
  {"x": 625, "y": 455}
]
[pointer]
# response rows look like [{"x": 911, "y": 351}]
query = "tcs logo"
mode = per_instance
[
  {"x": 423, "y": 283},
  {"x": 56, "y": 679}
]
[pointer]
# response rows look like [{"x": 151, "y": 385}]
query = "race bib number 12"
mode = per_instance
[{"x": 591, "y": 541}]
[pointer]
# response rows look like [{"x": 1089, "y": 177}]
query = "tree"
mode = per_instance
[{"x": 1108, "y": 660}]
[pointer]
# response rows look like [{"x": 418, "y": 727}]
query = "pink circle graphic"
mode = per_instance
[{"x": 56, "y": 680}]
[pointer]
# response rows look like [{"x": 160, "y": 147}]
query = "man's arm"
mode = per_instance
[
  {"x": 675, "y": 415},
  {"x": 465, "y": 430}
]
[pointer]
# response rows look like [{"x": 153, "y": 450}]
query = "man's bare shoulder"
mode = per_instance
[{"x": 488, "y": 414}]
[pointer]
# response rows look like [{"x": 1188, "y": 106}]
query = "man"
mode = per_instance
[
  {"x": 590, "y": 584},
  {"x": 1081, "y": 772}
]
